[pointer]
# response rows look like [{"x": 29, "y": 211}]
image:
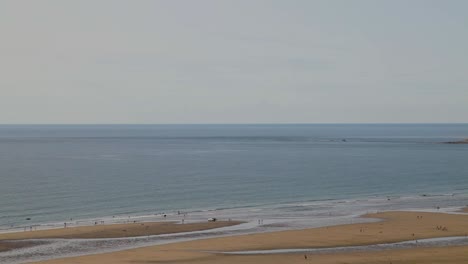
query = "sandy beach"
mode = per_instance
[
  {"x": 456, "y": 255},
  {"x": 108, "y": 231},
  {"x": 117, "y": 230},
  {"x": 394, "y": 227}
]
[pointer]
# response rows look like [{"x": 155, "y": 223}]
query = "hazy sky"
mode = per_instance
[{"x": 233, "y": 61}]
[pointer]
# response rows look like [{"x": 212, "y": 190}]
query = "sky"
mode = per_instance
[{"x": 239, "y": 61}]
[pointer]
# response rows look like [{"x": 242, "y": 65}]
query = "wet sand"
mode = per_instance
[
  {"x": 5, "y": 246},
  {"x": 396, "y": 226},
  {"x": 108, "y": 231}
]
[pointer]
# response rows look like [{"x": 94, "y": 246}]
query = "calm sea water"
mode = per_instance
[{"x": 54, "y": 173}]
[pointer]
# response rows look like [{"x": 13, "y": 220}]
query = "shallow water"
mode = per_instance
[{"x": 273, "y": 218}]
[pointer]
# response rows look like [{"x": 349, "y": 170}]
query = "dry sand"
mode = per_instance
[
  {"x": 398, "y": 226},
  {"x": 452, "y": 255}
]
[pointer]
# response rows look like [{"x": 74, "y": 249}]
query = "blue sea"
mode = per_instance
[{"x": 50, "y": 174}]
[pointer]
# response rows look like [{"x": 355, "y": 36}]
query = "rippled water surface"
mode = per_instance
[{"x": 54, "y": 173}]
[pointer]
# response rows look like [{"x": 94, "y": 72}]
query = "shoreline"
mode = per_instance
[
  {"x": 464, "y": 210},
  {"x": 423, "y": 201},
  {"x": 463, "y": 141},
  {"x": 25, "y": 239},
  {"x": 117, "y": 230},
  {"x": 395, "y": 226}
]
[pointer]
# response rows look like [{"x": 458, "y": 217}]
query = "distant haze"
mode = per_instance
[{"x": 248, "y": 61}]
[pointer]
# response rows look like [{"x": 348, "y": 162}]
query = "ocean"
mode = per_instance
[{"x": 50, "y": 174}]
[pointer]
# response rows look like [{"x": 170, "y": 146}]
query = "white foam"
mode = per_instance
[{"x": 275, "y": 217}]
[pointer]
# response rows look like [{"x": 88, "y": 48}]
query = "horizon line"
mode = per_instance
[{"x": 259, "y": 123}]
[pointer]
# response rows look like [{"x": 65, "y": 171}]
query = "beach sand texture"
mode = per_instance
[
  {"x": 455, "y": 255},
  {"x": 108, "y": 231},
  {"x": 396, "y": 226},
  {"x": 117, "y": 230}
]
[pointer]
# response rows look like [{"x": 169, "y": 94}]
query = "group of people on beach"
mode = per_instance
[{"x": 443, "y": 228}]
